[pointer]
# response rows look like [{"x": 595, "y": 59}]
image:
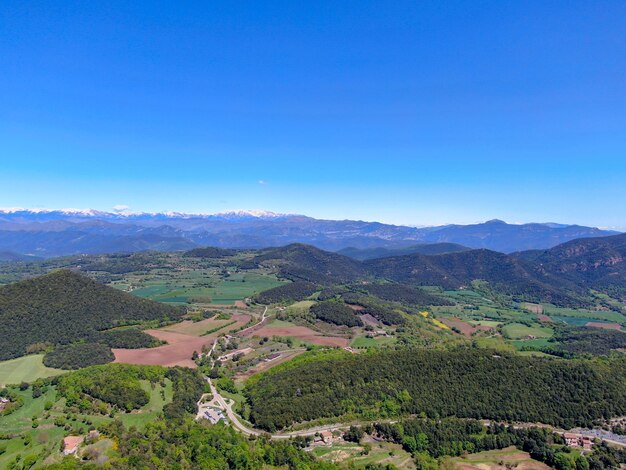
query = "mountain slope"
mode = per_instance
[
  {"x": 64, "y": 306},
  {"x": 504, "y": 273},
  {"x": 590, "y": 263}
]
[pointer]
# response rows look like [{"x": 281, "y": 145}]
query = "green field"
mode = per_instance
[
  {"x": 25, "y": 369},
  {"x": 365, "y": 342},
  {"x": 584, "y": 315},
  {"x": 533, "y": 343},
  {"x": 149, "y": 412},
  {"x": 518, "y": 331},
  {"x": 203, "y": 287},
  {"x": 300, "y": 308},
  {"x": 352, "y": 456}
]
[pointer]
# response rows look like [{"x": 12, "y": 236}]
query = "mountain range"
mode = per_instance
[
  {"x": 50, "y": 233},
  {"x": 563, "y": 275}
]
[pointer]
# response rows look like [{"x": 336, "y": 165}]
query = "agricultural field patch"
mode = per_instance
[
  {"x": 356, "y": 456},
  {"x": 199, "y": 328},
  {"x": 588, "y": 315},
  {"x": 302, "y": 333},
  {"x": 25, "y": 369},
  {"x": 178, "y": 351},
  {"x": 519, "y": 331},
  {"x": 369, "y": 342},
  {"x": 497, "y": 460}
]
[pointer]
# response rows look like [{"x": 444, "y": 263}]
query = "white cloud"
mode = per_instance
[
  {"x": 262, "y": 182},
  {"x": 120, "y": 208}
]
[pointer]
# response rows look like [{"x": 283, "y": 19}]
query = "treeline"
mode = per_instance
[
  {"x": 292, "y": 292},
  {"x": 77, "y": 356},
  {"x": 335, "y": 312},
  {"x": 467, "y": 383},
  {"x": 129, "y": 338},
  {"x": 97, "y": 349},
  {"x": 63, "y": 307}
]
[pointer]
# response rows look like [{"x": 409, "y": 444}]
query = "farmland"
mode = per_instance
[
  {"x": 369, "y": 452},
  {"x": 180, "y": 346},
  {"x": 301, "y": 333},
  {"x": 25, "y": 369},
  {"x": 216, "y": 286},
  {"x": 502, "y": 459}
]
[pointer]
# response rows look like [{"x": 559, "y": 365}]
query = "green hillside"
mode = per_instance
[{"x": 64, "y": 306}]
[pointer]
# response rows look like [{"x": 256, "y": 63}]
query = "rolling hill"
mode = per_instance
[
  {"x": 300, "y": 262},
  {"x": 62, "y": 307}
]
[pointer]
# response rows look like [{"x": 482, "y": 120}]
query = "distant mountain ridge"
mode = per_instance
[
  {"x": 49, "y": 233},
  {"x": 563, "y": 275}
]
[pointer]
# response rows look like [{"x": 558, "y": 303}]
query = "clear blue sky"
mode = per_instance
[{"x": 417, "y": 112}]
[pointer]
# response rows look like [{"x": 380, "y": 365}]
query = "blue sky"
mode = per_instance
[{"x": 419, "y": 112}]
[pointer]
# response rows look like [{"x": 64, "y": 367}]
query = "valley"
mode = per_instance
[{"x": 300, "y": 342}]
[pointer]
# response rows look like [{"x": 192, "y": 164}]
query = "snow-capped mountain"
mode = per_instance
[{"x": 55, "y": 232}]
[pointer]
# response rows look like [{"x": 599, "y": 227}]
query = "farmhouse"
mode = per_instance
[
  {"x": 3, "y": 403},
  {"x": 71, "y": 444},
  {"x": 574, "y": 440},
  {"x": 327, "y": 437}
]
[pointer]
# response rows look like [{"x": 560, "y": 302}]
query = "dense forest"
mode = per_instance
[
  {"x": 63, "y": 307},
  {"x": 335, "y": 312},
  {"x": 76, "y": 356},
  {"x": 292, "y": 292},
  {"x": 569, "y": 340},
  {"x": 467, "y": 383}
]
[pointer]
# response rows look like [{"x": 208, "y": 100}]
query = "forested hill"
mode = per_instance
[
  {"x": 504, "y": 274},
  {"x": 307, "y": 263},
  {"x": 598, "y": 263},
  {"x": 64, "y": 306},
  {"x": 562, "y": 275},
  {"x": 466, "y": 383}
]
